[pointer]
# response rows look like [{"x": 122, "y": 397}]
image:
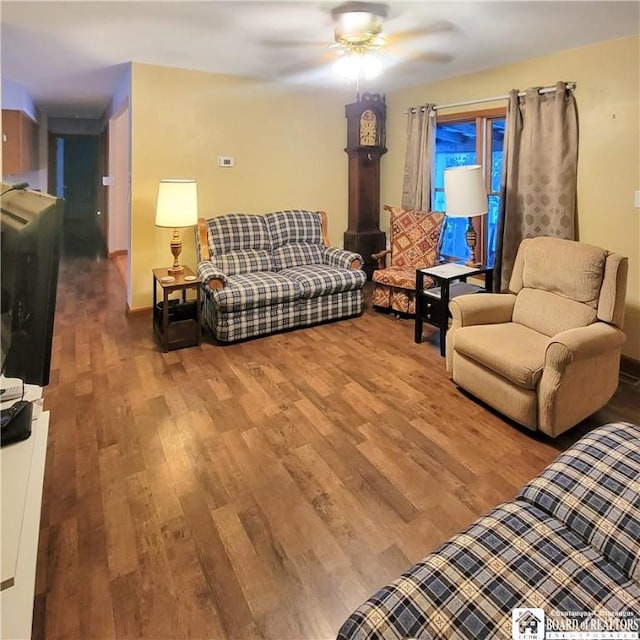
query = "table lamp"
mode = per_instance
[
  {"x": 465, "y": 197},
  {"x": 177, "y": 207}
]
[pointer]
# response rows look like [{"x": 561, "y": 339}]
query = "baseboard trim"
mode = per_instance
[
  {"x": 119, "y": 252},
  {"x": 630, "y": 366},
  {"x": 139, "y": 311}
]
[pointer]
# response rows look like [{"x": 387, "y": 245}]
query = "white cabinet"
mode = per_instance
[{"x": 22, "y": 468}]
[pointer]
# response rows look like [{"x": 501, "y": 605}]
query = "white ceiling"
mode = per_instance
[{"x": 69, "y": 56}]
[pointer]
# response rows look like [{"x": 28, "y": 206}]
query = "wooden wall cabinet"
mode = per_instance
[{"x": 19, "y": 142}]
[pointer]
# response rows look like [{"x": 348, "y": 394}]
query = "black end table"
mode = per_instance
[{"x": 432, "y": 305}]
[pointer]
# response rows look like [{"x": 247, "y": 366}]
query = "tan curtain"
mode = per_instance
[
  {"x": 539, "y": 173},
  {"x": 416, "y": 185}
]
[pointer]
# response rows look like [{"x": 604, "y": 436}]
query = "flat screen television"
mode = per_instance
[{"x": 30, "y": 226}]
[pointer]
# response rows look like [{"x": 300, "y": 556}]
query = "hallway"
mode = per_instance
[{"x": 81, "y": 238}]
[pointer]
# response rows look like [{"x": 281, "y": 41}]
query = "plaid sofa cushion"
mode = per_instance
[
  {"x": 242, "y": 261},
  {"x": 594, "y": 489},
  {"x": 320, "y": 279},
  {"x": 415, "y": 237},
  {"x": 259, "y": 289},
  {"x": 296, "y": 254},
  {"x": 234, "y": 231},
  {"x": 515, "y": 556},
  {"x": 293, "y": 226}
]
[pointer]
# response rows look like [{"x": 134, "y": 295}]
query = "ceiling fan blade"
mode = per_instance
[
  {"x": 433, "y": 56},
  {"x": 301, "y": 67},
  {"x": 411, "y": 62},
  {"x": 294, "y": 44},
  {"x": 442, "y": 26}
]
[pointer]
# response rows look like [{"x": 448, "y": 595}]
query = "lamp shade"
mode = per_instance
[
  {"x": 177, "y": 204},
  {"x": 465, "y": 192}
]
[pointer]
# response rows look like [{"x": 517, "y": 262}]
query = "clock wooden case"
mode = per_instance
[{"x": 366, "y": 120}]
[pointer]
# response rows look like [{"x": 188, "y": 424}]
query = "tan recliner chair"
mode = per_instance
[{"x": 546, "y": 354}]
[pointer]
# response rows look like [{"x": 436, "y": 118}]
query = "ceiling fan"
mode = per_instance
[
  {"x": 359, "y": 25},
  {"x": 358, "y": 36}
]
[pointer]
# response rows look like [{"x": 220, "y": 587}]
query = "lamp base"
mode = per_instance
[
  {"x": 472, "y": 238},
  {"x": 176, "y": 270},
  {"x": 176, "y": 248}
]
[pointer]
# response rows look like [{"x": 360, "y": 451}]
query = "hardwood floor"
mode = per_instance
[{"x": 259, "y": 490}]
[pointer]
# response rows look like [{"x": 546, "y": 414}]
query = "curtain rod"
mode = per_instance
[{"x": 570, "y": 86}]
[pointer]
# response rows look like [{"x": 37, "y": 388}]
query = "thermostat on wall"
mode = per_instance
[{"x": 225, "y": 161}]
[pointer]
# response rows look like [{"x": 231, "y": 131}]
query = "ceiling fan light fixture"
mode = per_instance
[
  {"x": 358, "y": 66},
  {"x": 359, "y": 28}
]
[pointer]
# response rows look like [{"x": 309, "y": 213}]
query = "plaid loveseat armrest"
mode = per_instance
[
  {"x": 342, "y": 259},
  {"x": 594, "y": 489},
  {"x": 210, "y": 275}
]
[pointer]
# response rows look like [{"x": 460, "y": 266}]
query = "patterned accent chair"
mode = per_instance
[
  {"x": 415, "y": 244},
  {"x": 268, "y": 273},
  {"x": 546, "y": 354}
]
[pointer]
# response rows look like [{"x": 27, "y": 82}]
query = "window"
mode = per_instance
[{"x": 470, "y": 138}]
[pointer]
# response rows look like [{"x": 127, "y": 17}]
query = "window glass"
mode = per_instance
[
  {"x": 496, "y": 133},
  {"x": 455, "y": 147},
  {"x": 457, "y": 144},
  {"x": 492, "y": 229},
  {"x": 497, "y": 143}
]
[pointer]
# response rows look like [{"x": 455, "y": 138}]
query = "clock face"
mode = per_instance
[{"x": 368, "y": 128}]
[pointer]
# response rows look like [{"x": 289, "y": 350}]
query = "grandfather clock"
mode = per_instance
[{"x": 365, "y": 145}]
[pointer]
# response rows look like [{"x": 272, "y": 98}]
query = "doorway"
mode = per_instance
[{"x": 76, "y": 179}]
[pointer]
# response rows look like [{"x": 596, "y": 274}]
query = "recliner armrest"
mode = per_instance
[
  {"x": 477, "y": 308},
  {"x": 582, "y": 343},
  {"x": 580, "y": 375},
  {"x": 482, "y": 308},
  {"x": 211, "y": 275},
  {"x": 342, "y": 259}
]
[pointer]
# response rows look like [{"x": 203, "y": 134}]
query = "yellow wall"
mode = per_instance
[
  {"x": 288, "y": 147},
  {"x": 287, "y": 143},
  {"x": 608, "y": 95}
]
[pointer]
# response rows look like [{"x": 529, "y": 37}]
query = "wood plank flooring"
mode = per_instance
[{"x": 259, "y": 490}]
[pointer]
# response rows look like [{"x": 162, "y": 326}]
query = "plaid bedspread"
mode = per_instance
[{"x": 568, "y": 543}]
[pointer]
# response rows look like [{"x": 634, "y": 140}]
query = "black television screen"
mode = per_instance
[{"x": 29, "y": 255}]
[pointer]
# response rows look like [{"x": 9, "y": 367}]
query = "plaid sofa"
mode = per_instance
[
  {"x": 566, "y": 549},
  {"x": 267, "y": 273}
]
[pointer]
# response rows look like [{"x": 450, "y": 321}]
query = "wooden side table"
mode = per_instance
[
  {"x": 432, "y": 305},
  {"x": 176, "y": 322}
]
